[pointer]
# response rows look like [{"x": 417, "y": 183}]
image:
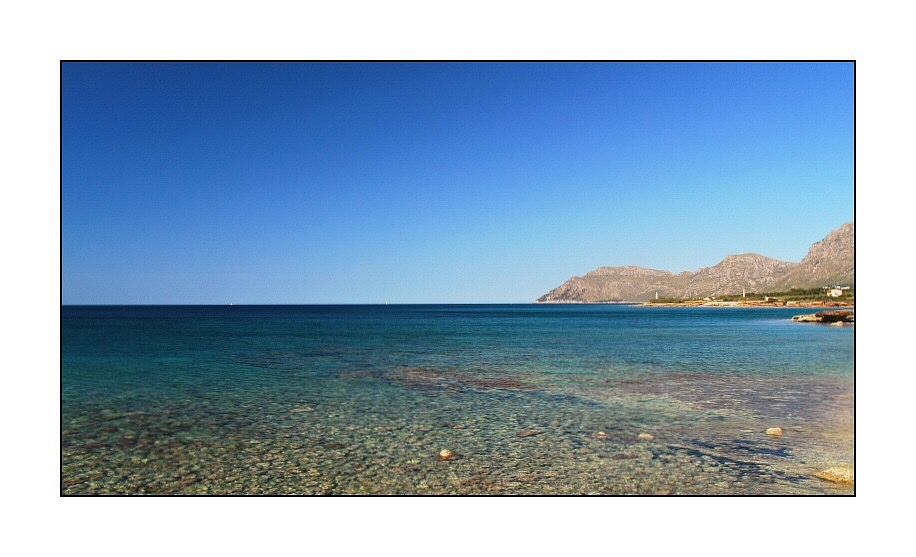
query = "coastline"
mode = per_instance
[
  {"x": 750, "y": 304},
  {"x": 701, "y": 303}
]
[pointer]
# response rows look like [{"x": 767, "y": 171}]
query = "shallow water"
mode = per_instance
[{"x": 535, "y": 399}]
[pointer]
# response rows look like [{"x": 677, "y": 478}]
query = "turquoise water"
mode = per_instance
[{"x": 531, "y": 399}]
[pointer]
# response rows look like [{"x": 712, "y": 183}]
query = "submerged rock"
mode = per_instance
[
  {"x": 775, "y": 431},
  {"x": 528, "y": 432},
  {"x": 452, "y": 380},
  {"x": 838, "y": 474},
  {"x": 601, "y": 435},
  {"x": 645, "y": 437},
  {"x": 446, "y": 454}
]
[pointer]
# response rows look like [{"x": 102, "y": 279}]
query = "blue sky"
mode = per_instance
[{"x": 437, "y": 183}]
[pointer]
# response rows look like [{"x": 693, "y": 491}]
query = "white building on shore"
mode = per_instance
[{"x": 836, "y": 290}]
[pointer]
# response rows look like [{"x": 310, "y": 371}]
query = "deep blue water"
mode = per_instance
[{"x": 533, "y": 399}]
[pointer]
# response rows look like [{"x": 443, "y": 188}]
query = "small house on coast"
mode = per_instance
[{"x": 835, "y": 291}]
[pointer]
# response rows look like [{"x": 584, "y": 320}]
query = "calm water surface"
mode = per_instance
[{"x": 535, "y": 399}]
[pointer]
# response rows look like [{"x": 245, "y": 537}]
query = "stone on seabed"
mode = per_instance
[
  {"x": 645, "y": 436},
  {"x": 774, "y": 431},
  {"x": 838, "y": 474},
  {"x": 446, "y": 454}
]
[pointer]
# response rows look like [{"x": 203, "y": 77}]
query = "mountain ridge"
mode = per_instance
[{"x": 830, "y": 260}]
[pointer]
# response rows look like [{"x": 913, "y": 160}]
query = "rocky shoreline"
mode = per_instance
[{"x": 835, "y": 317}]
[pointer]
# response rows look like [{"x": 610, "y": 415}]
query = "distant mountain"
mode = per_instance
[
  {"x": 749, "y": 271},
  {"x": 616, "y": 284},
  {"x": 831, "y": 260}
]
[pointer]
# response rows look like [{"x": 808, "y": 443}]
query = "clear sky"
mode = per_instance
[{"x": 437, "y": 183}]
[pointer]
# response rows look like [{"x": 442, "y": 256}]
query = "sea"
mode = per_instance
[{"x": 554, "y": 399}]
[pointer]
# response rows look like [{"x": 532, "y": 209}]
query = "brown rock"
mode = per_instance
[
  {"x": 601, "y": 435},
  {"x": 806, "y": 318},
  {"x": 838, "y": 474},
  {"x": 775, "y": 431},
  {"x": 832, "y": 317},
  {"x": 645, "y": 437},
  {"x": 446, "y": 454},
  {"x": 528, "y": 432}
]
